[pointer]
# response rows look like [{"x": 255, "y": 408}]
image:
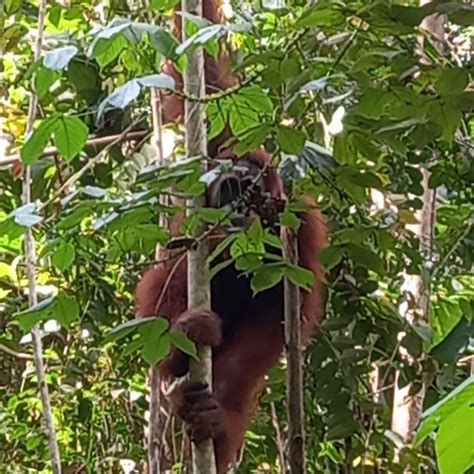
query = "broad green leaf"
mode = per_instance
[
  {"x": 300, "y": 277},
  {"x": 252, "y": 138},
  {"x": 65, "y": 310},
  {"x": 331, "y": 256},
  {"x": 133, "y": 346},
  {"x": 455, "y": 440},
  {"x": 461, "y": 396},
  {"x": 267, "y": 277},
  {"x": 33, "y": 315},
  {"x": 126, "y": 328},
  {"x": 345, "y": 428},
  {"x": 256, "y": 233},
  {"x": 25, "y": 215},
  {"x": 59, "y": 58},
  {"x": 6, "y": 271},
  {"x": 160, "y": 81},
  {"x": 290, "y": 140},
  {"x": 452, "y": 81},
  {"x": 290, "y": 219},
  {"x": 156, "y": 345},
  {"x": 366, "y": 257},
  {"x": 64, "y": 255},
  {"x": 183, "y": 343},
  {"x": 37, "y": 141},
  {"x": 165, "y": 44},
  {"x": 322, "y": 15},
  {"x": 70, "y": 135},
  {"x": 44, "y": 79},
  {"x": 84, "y": 76}
]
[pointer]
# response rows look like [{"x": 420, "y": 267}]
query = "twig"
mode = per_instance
[
  {"x": 30, "y": 256},
  {"x": 296, "y": 441},
  {"x": 279, "y": 439},
  {"x": 452, "y": 249},
  {"x": 18, "y": 355}
]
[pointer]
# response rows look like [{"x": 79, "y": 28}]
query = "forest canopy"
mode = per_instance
[{"x": 364, "y": 105}]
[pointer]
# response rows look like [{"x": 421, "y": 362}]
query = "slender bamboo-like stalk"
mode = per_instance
[
  {"x": 30, "y": 256},
  {"x": 198, "y": 269},
  {"x": 296, "y": 435},
  {"x": 154, "y": 375}
]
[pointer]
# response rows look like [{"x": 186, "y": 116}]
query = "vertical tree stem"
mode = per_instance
[
  {"x": 154, "y": 375},
  {"x": 296, "y": 435},
  {"x": 30, "y": 256},
  {"x": 198, "y": 270}
]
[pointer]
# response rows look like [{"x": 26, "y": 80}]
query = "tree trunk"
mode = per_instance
[
  {"x": 296, "y": 441},
  {"x": 199, "y": 294},
  {"x": 408, "y": 407}
]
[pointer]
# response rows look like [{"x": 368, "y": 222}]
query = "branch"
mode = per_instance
[
  {"x": 8, "y": 161},
  {"x": 18, "y": 355},
  {"x": 30, "y": 256}
]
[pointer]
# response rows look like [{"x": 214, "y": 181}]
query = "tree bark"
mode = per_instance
[
  {"x": 296, "y": 435},
  {"x": 199, "y": 294},
  {"x": 408, "y": 407},
  {"x": 154, "y": 443}
]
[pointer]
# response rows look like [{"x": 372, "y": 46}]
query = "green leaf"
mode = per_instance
[
  {"x": 70, "y": 136},
  {"x": 44, "y": 79},
  {"x": 251, "y": 138},
  {"x": 64, "y": 256},
  {"x": 157, "y": 344},
  {"x": 126, "y": 94},
  {"x": 183, "y": 343},
  {"x": 461, "y": 396},
  {"x": 256, "y": 233},
  {"x": 35, "y": 314},
  {"x": 59, "y": 58},
  {"x": 65, "y": 310},
  {"x": 452, "y": 81},
  {"x": 290, "y": 219},
  {"x": 126, "y": 328},
  {"x": 323, "y": 14},
  {"x": 84, "y": 76},
  {"x": 132, "y": 346},
  {"x": 345, "y": 428},
  {"x": 455, "y": 440},
  {"x": 165, "y": 44},
  {"x": 159, "y": 81},
  {"x": 267, "y": 277},
  {"x": 366, "y": 257},
  {"x": 290, "y": 140},
  {"x": 300, "y": 277},
  {"x": 7, "y": 271},
  {"x": 25, "y": 215},
  {"x": 37, "y": 141},
  {"x": 331, "y": 256}
]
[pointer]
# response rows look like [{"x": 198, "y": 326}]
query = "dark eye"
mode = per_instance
[{"x": 230, "y": 190}]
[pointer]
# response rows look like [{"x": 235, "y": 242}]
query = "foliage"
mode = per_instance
[{"x": 336, "y": 93}]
